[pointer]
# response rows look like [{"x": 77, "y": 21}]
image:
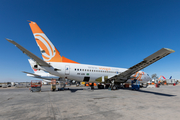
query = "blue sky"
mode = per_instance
[{"x": 117, "y": 33}]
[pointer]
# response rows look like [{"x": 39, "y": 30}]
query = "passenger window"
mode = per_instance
[
  {"x": 80, "y": 69},
  {"x": 77, "y": 69}
]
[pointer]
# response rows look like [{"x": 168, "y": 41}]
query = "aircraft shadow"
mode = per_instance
[
  {"x": 86, "y": 89},
  {"x": 74, "y": 90},
  {"x": 155, "y": 93}
]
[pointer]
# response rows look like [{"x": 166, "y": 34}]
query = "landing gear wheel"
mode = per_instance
[
  {"x": 114, "y": 87},
  {"x": 100, "y": 86},
  {"x": 136, "y": 88}
]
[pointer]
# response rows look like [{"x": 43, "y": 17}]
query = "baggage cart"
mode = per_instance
[{"x": 36, "y": 86}]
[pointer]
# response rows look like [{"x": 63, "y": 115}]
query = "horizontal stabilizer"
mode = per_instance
[
  {"x": 35, "y": 75},
  {"x": 31, "y": 55}
]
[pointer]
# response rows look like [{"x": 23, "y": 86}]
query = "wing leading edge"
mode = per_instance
[
  {"x": 124, "y": 76},
  {"x": 31, "y": 55}
]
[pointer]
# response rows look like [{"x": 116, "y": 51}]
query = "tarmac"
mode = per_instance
[{"x": 81, "y": 103}]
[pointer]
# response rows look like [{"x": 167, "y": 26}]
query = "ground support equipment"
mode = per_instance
[
  {"x": 135, "y": 85},
  {"x": 53, "y": 85},
  {"x": 36, "y": 86},
  {"x": 62, "y": 85}
]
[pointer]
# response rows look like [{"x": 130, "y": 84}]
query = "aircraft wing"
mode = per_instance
[
  {"x": 124, "y": 76},
  {"x": 31, "y": 74},
  {"x": 31, "y": 55}
]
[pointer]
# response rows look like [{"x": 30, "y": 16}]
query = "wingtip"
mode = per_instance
[
  {"x": 8, "y": 39},
  {"x": 171, "y": 50}
]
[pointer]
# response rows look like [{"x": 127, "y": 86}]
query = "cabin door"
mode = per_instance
[{"x": 67, "y": 70}]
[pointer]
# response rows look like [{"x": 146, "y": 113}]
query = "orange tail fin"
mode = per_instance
[{"x": 48, "y": 50}]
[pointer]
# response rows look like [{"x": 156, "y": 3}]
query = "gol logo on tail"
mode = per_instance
[{"x": 45, "y": 45}]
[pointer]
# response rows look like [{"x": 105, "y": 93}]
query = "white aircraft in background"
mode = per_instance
[
  {"x": 62, "y": 67},
  {"x": 38, "y": 73}
]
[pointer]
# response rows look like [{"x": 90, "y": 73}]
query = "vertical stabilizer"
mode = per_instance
[{"x": 48, "y": 50}]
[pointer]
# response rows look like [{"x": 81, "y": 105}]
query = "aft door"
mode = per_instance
[{"x": 67, "y": 70}]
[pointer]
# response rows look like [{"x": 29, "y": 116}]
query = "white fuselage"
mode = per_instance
[{"x": 79, "y": 72}]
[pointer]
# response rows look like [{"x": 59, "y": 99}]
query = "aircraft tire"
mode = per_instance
[
  {"x": 100, "y": 86},
  {"x": 114, "y": 87}
]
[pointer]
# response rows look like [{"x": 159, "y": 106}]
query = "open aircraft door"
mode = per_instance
[{"x": 67, "y": 70}]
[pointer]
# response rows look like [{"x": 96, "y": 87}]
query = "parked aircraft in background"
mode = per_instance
[
  {"x": 41, "y": 74},
  {"x": 162, "y": 77},
  {"x": 62, "y": 67}
]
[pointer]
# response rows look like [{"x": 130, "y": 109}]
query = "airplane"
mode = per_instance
[{"x": 65, "y": 68}]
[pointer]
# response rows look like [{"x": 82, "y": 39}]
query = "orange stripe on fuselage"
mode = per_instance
[
  {"x": 66, "y": 60},
  {"x": 134, "y": 76},
  {"x": 140, "y": 76}
]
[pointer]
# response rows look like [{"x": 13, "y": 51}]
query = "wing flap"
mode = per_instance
[
  {"x": 122, "y": 77},
  {"x": 28, "y": 53}
]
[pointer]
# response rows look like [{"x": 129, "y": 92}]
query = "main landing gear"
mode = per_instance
[{"x": 112, "y": 86}]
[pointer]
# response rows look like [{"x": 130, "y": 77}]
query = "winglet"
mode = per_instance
[{"x": 8, "y": 39}]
